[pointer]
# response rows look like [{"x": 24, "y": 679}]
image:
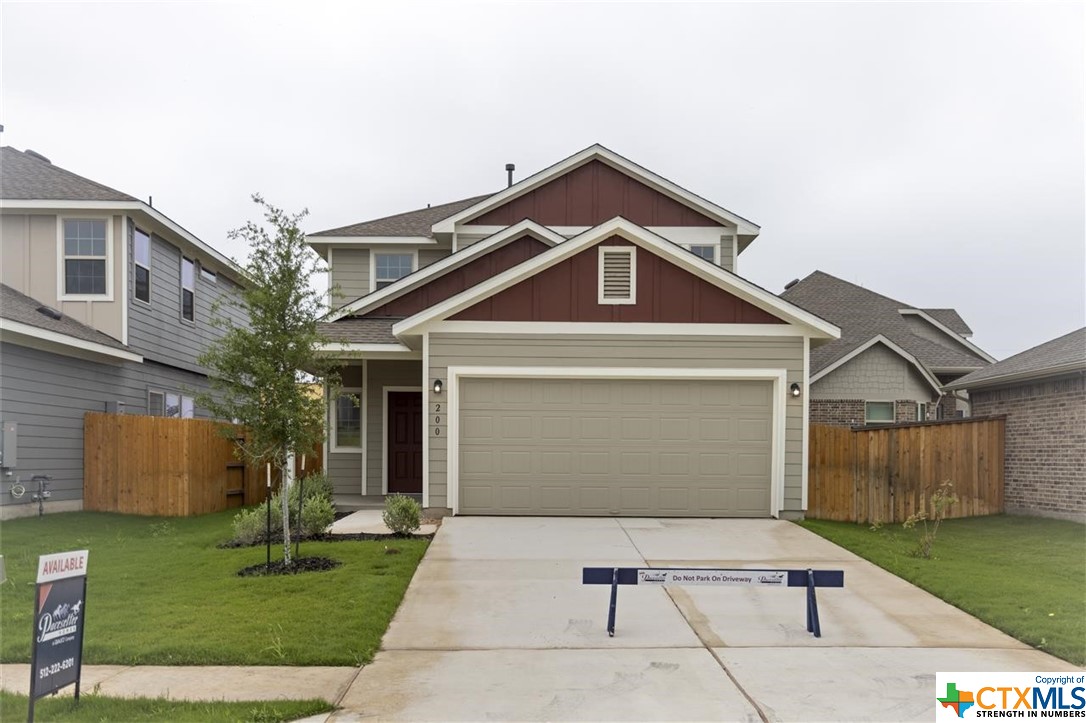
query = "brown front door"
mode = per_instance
[{"x": 404, "y": 444}]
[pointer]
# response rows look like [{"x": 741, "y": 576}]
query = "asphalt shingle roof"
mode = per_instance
[
  {"x": 950, "y": 319},
  {"x": 19, "y": 307},
  {"x": 359, "y": 331},
  {"x": 24, "y": 178},
  {"x": 411, "y": 223},
  {"x": 862, "y": 314},
  {"x": 1067, "y": 353}
]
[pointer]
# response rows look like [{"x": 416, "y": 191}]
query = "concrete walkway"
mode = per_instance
[
  {"x": 370, "y": 522},
  {"x": 497, "y": 626}
]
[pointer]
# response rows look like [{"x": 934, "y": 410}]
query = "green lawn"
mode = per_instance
[
  {"x": 1023, "y": 575},
  {"x": 96, "y": 708},
  {"x": 159, "y": 592}
]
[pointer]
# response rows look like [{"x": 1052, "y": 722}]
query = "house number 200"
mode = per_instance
[{"x": 437, "y": 420}]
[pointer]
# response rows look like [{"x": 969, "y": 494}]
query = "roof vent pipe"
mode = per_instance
[
  {"x": 509, "y": 168},
  {"x": 790, "y": 284},
  {"x": 40, "y": 157}
]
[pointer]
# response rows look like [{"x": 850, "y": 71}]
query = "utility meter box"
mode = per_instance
[{"x": 9, "y": 445}]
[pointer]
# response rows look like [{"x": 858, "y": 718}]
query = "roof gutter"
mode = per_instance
[{"x": 1032, "y": 375}]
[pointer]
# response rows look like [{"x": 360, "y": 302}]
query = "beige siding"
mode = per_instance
[
  {"x": 429, "y": 256},
  {"x": 350, "y": 271},
  {"x": 616, "y": 351},
  {"x": 878, "y": 374},
  {"x": 379, "y": 375},
  {"x": 726, "y": 253},
  {"x": 31, "y": 265},
  {"x": 463, "y": 240}
]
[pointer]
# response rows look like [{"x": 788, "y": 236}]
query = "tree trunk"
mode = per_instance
[{"x": 287, "y": 477}]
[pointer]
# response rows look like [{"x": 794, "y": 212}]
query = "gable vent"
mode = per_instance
[{"x": 618, "y": 275}]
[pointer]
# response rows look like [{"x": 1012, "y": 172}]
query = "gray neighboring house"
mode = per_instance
[
  {"x": 106, "y": 306},
  {"x": 892, "y": 360},
  {"x": 1043, "y": 393}
]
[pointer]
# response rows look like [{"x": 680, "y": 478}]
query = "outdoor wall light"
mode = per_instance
[
  {"x": 795, "y": 390},
  {"x": 437, "y": 386}
]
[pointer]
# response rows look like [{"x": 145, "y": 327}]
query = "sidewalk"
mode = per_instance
[{"x": 203, "y": 683}]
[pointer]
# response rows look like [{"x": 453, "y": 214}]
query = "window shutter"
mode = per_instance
[{"x": 616, "y": 275}]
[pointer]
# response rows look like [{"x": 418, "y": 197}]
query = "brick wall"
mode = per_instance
[
  {"x": 905, "y": 410},
  {"x": 837, "y": 412},
  {"x": 1045, "y": 457}
]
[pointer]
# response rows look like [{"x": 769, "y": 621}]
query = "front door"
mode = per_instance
[{"x": 404, "y": 443}]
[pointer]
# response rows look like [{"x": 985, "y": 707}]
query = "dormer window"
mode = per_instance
[
  {"x": 707, "y": 252},
  {"x": 618, "y": 275},
  {"x": 390, "y": 268}
]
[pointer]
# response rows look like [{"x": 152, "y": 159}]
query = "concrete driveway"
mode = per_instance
[{"x": 497, "y": 626}]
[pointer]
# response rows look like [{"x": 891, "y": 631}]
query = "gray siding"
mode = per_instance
[
  {"x": 350, "y": 271},
  {"x": 876, "y": 375},
  {"x": 344, "y": 469},
  {"x": 618, "y": 351},
  {"x": 156, "y": 330},
  {"x": 381, "y": 374},
  {"x": 48, "y": 394}
]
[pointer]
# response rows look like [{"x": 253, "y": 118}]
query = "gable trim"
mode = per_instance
[
  {"x": 21, "y": 334},
  {"x": 598, "y": 152},
  {"x": 706, "y": 270},
  {"x": 454, "y": 260},
  {"x": 880, "y": 339},
  {"x": 949, "y": 332}
]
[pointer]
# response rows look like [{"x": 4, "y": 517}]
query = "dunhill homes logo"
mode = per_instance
[{"x": 1013, "y": 695}]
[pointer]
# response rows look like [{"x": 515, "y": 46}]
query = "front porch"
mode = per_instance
[{"x": 346, "y": 502}]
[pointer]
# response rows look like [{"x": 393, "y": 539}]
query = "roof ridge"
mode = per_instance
[{"x": 471, "y": 199}]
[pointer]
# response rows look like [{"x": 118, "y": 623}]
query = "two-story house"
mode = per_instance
[
  {"x": 106, "y": 306},
  {"x": 579, "y": 343}
]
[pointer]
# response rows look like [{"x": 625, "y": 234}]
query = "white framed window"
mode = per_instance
[
  {"x": 188, "y": 289},
  {"x": 207, "y": 274},
  {"x": 85, "y": 251},
  {"x": 141, "y": 254},
  {"x": 347, "y": 420},
  {"x": 617, "y": 275},
  {"x": 170, "y": 404},
  {"x": 921, "y": 411},
  {"x": 156, "y": 403},
  {"x": 390, "y": 267},
  {"x": 188, "y": 407},
  {"x": 705, "y": 251},
  {"x": 878, "y": 413}
]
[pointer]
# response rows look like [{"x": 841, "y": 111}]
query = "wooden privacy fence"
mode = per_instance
[
  {"x": 163, "y": 466},
  {"x": 886, "y": 474}
]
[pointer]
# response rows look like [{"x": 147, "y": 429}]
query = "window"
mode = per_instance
[
  {"x": 170, "y": 404},
  {"x": 188, "y": 289},
  {"x": 188, "y": 408},
  {"x": 156, "y": 404},
  {"x": 390, "y": 267},
  {"x": 347, "y": 421},
  {"x": 921, "y": 412},
  {"x": 142, "y": 254},
  {"x": 85, "y": 257},
  {"x": 617, "y": 275},
  {"x": 706, "y": 252},
  {"x": 207, "y": 274},
  {"x": 879, "y": 413}
]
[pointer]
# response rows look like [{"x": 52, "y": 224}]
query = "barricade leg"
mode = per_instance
[
  {"x": 614, "y": 601},
  {"x": 813, "y": 625}
]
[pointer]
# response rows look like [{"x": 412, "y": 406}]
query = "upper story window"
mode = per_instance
[
  {"x": 388, "y": 268},
  {"x": 188, "y": 289},
  {"x": 142, "y": 255},
  {"x": 617, "y": 275},
  {"x": 85, "y": 246},
  {"x": 707, "y": 252},
  {"x": 207, "y": 274}
]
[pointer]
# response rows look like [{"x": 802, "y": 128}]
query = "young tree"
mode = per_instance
[{"x": 257, "y": 372}]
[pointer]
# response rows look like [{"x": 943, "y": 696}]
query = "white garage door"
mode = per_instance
[{"x": 690, "y": 448}]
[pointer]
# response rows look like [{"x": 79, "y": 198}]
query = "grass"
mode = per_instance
[
  {"x": 1023, "y": 575},
  {"x": 99, "y": 708},
  {"x": 159, "y": 592}
]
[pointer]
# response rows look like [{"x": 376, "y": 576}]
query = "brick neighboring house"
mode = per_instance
[
  {"x": 1043, "y": 393},
  {"x": 891, "y": 361}
]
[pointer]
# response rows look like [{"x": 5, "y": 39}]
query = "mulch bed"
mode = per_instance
[
  {"x": 371, "y": 536},
  {"x": 298, "y": 565}
]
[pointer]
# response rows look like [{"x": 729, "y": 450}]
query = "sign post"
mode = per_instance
[{"x": 59, "y": 612}]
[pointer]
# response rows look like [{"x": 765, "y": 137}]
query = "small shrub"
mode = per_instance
[
  {"x": 317, "y": 514},
  {"x": 402, "y": 514},
  {"x": 941, "y": 501},
  {"x": 250, "y": 525}
]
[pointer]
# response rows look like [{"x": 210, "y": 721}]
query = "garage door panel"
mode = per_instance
[{"x": 629, "y": 447}]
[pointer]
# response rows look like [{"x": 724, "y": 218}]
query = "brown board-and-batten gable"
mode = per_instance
[
  {"x": 589, "y": 195},
  {"x": 568, "y": 292},
  {"x": 458, "y": 279}
]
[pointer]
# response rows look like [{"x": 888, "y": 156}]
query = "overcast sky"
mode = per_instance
[{"x": 931, "y": 152}]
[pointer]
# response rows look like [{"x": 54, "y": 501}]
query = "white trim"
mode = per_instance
[
  {"x": 880, "y": 339},
  {"x": 125, "y": 298},
  {"x": 426, "y": 387},
  {"x": 327, "y": 429},
  {"x": 705, "y": 270},
  {"x": 735, "y": 252},
  {"x": 715, "y": 247},
  {"x": 376, "y": 251},
  {"x": 384, "y": 431},
  {"x": 778, "y": 377},
  {"x": 631, "y": 252},
  {"x": 62, "y": 294},
  {"x": 181, "y": 289},
  {"x": 893, "y": 411},
  {"x": 598, "y": 152},
  {"x": 151, "y": 212},
  {"x": 949, "y": 332},
  {"x": 365, "y": 425},
  {"x": 804, "y": 399},
  {"x": 19, "y": 333},
  {"x": 1029, "y": 376},
  {"x": 328, "y": 286},
  {"x": 369, "y": 240},
  {"x": 597, "y": 328},
  {"x": 334, "y": 437},
  {"x": 452, "y": 261},
  {"x": 348, "y": 350}
]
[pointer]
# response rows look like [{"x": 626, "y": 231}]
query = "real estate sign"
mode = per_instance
[{"x": 59, "y": 608}]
